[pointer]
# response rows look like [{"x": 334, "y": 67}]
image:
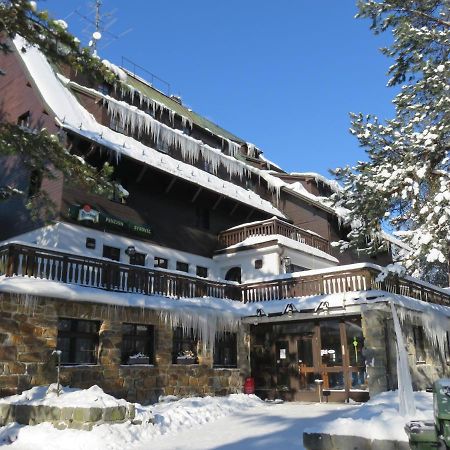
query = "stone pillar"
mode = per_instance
[
  {"x": 109, "y": 355},
  {"x": 375, "y": 349},
  {"x": 243, "y": 350}
]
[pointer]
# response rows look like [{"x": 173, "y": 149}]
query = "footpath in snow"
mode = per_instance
[{"x": 235, "y": 422}]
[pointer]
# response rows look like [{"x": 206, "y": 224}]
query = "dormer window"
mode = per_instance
[
  {"x": 103, "y": 89},
  {"x": 115, "y": 125},
  {"x": 24, "y": 120}
]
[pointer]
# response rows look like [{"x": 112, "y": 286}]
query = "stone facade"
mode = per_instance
[{"x": 28, "y": 336}]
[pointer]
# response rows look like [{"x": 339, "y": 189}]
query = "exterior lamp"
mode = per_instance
[
  {"x": 322, "y": 306},
  {"x": 130, "y": 251},
  {"x": 260, "y": 312},
  {"x": 290, "y": 309}
]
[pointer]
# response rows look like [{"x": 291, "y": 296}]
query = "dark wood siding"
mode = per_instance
[{"x": 18, "y": 96}]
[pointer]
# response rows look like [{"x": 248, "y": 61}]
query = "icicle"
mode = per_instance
[
  {"x": 137, "y": 121},
  {"x": 405, "y": 390},
  {"x": 206, "y": 324}
]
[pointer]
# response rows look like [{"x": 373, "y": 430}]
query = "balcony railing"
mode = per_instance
[
  {"x": 24, "y": 260},
  {"x": 270, "y": 227}
]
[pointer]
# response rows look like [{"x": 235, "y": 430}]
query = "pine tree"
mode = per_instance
[
  {"x": 39, "y": 150},
  {"x": 405, "y": 184}
]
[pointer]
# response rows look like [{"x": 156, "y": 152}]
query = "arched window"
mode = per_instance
[{"x": 233, "y": 274}]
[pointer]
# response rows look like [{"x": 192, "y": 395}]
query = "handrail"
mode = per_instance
[
  {"x": 25, "y": 260},
  {"x": 271, "y": 227}
]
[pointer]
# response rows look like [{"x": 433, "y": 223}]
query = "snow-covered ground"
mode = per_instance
[{"x": 235, "y": 422}]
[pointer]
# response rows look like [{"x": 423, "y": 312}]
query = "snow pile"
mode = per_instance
[
  {"x": 378, "y": 418},
  {"x": 170, "y": 419},
  {"x": 68, "y": 397},
  {"x": 188, "y": 412}
]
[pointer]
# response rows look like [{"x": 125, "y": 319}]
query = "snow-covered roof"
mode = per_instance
[
  {"x": 332, "y": 184},
  {"x": 71, "y": 115}
]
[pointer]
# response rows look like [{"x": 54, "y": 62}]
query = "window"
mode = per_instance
[
  {"x": 115, "y": 125},
  {"x": 202, "y": 272},
  {"x": 103, "y": 89},
  {"x": 162, "y": 263},
  {"x": 35, "y": 183},
  {"x": 137, "y": 344},
  {"x": 184, "y": 346},
  {"x": 225, "y": 350},
  {"x": 258, "y": 263},
  {"x": 291, "y": 268},
  {"x": 78, "y": 341},
  {"x": 138, "y": 259},
  {"x": 24, "y": 120},
  {"x": 202, "y": 217},
  {"x": 111, "y": 252},
  {"x": 419, "y": 343},
  {"x": 162, "y": 146},
  {"x": 90, "y": 242},
  {"x": 182, "y": 266}
]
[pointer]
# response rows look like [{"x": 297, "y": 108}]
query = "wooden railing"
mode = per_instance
[
  {"x": 338, "y": 281},
  {"x": 271, "y": 227},
  {"x": 24, "y": 260}
]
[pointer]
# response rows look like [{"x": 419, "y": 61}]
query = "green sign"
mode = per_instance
[{"x": 90, "y": 216}]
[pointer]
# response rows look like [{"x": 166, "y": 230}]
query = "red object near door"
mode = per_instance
[{"x": 249, "y": 386}]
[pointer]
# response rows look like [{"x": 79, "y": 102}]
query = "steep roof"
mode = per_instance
[
  {"x": 71, "y": 115},
  {"x": 154, "y": 94}
]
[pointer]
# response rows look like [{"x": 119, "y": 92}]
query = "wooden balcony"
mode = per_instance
[
  {"x": 270, "y": 227},
  {"x": 24, "y": 260}
]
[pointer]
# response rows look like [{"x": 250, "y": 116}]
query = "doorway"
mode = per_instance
[{"x": 306, "y": 354}]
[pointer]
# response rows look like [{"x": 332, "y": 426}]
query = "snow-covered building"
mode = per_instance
[{"x": 207, "y": 265}]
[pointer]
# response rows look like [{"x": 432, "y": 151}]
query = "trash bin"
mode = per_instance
[
  {"x": 441, "y": 400},
  {"x": 249, "y": 386},
  {"x": 422, "y": 435}
]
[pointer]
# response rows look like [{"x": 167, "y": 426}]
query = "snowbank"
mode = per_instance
[
  {"x": 378, "y": 418},
  {"x": 68, "y": 397},
  {"x": 170, "y": 419}
]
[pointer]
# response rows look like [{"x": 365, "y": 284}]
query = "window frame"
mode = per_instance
[
  {"x": 112, "y": 248},
  {"x": 157, "y": 260},
  {"x": 134, "y": 336},
  {"x": 200, "y": 269},
  {"x": 221, "y": 344},
  {"x": 74, "y": 335},
  {"x": 182, "y": 266},
  {"x": 139, "y": 255},
  {"x": 184, "y": 342}
]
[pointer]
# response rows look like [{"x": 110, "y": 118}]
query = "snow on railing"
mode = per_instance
[{"x": 24, "y": 260}]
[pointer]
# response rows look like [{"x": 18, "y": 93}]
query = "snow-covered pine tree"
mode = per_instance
[
  {"x": 40, "y": 151},
  {"x": 405, "y": 184}
]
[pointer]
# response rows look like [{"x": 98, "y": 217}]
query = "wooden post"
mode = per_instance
[{"x": 10, "y": 265}]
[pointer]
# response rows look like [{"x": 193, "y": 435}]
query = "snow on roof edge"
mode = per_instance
[{"x": 71, "y": 115}]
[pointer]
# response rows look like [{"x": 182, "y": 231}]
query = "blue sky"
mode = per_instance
[{"x": 283, "y": 75}]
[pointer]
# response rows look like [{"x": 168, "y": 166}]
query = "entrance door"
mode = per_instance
[
  {"x": 282, "y": 365},
  {"x": 306, "y": 362}
]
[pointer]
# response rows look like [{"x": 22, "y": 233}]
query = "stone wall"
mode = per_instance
[
  {"x": 381, "y": 353},
  {"x": 28, "y": 335}
]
